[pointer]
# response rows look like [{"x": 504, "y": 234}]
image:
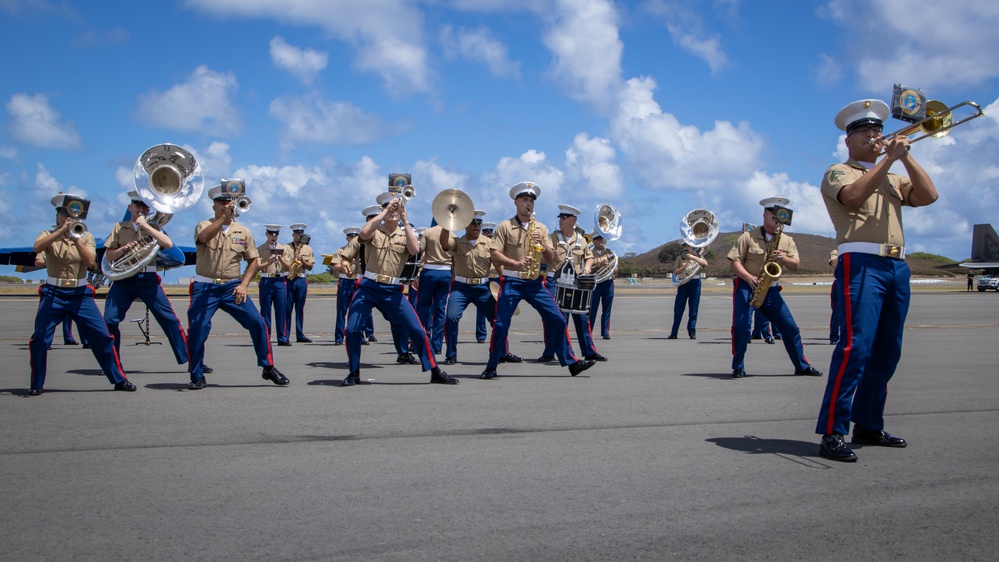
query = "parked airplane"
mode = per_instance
[{"x": 984, "y": 248}]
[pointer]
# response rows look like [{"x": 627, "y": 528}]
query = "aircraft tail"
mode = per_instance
[{"x": 984, "y": 243}]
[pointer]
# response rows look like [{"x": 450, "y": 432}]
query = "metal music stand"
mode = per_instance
[{"x": 143, "y": 324}]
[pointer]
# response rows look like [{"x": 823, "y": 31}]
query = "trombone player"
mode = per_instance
[
  {"x": 865, "y": 203},
  {"x": 144, "y": 284}
]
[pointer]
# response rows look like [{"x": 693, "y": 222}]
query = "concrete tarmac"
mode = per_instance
[{"x": 656, "y": 454}]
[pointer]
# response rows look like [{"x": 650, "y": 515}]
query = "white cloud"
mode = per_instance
[
  {"x": 669, "y": 155},
  {"x": 45, "y": 183},
  {"x": 479, "y": 45},
  {"x": 687, "y": 28},
  {"x": 533, "y": 166},
  {"x": 371, "y": 27},
  {"x": 304, "y": 64},
  {"x": 707, "y": 49},
  {"x": 311, "y": 119},
  {"x": 922, "y": 42},
  {"x": 584, "y": 40},
  {"x": 36, "y": 123},
  {"x": 590, "y": 165},
  {"x": 8, "y": 152},
  {"x": 201, "y": 104}
]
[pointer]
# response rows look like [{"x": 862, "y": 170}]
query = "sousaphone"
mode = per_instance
[{"x": 698, "y": 229}]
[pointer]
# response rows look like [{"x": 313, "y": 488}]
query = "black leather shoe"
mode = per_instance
[
  {"x": 580, "y": 366},
  {"x": 596, "y": 357},
  {"x": 834, "y": 448},
  {"x": 85, "y": 346},
  {"x": 438, "y": 376},
  {"x": 770, "y": 341},
  {"x": 693, "y": 337},
  {"x": 272, "y": 374},
  {"x": 125, "y": 385},
  {"x": 373, "y": 339},
  {"x": 450, "y": 360},
  {"x": 364, "y": 342},
  {"x": 407, "y": 359},
  {"x": 863, "y": 436},
  {"x": 546, "y": 359},
  {"x": 34, "y": 392},
  {"x": 833, "y": 341},
  {"x": 510, "y": 358},
  {"x": 606, "y": 337},
  {"x": 488, "y": 374},
  {"x": 198, "y": 384},
  {"x": 778, "y": 337},
  {"x": 284, "y": 343},
  {"x": 671, "y": 337},
  {"x": 208, "y": 370},
  {"x": 481, "y": 340},
  {"x": 738, "y": 373},
  {"x": 354, "y": 377},
  {"x": 810, "y": 371},
  {"x": 70, "y": 342},
  {"x": 304, "y": 340},
  {"x": 338, "y": 343}
]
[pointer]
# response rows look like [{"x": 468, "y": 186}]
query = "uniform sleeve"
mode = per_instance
[
  {"x": 836, "y": 178},
  {"x": 112, "y": 239},
  {"x": 791, "y": 249},
  {"x": 739, "y": 248},
  {"x": 89, "y": 242},
  {"x": 251, "y": 250}
]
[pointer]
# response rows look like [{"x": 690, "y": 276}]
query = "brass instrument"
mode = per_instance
[
  {"x": 169, "y": 179},
  {"x": 77, "y": 228},
  {"x": 243, "y": 203},
  {"x": 607, "y": 223},
  {"x": 771, "y": 270},
  {"x": 533, "y": 250},
  {"x": 698, "y": 229},
  {"x": 938, "y": 122},
  {"x": 296, "y": 267}
]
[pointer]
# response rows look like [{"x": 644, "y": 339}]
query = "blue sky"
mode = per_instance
[{"x": 656, "y": 107}]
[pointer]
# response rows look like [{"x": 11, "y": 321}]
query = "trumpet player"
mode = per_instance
[
  {"x": 871, "y": 286},
  {"x": 222, "y": 244},
  {"x": 144, "y": 285},
  {"x": 68, "y": 253},
  {"x": 274, "y": 263},
  {"x": 303, "y": 259},
  {"x": 746, "y": 259},
  {"x": 517, "y": 247}
]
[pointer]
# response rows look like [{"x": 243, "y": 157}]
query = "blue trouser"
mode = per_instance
[
  {"x": 54, "y": 305},
  {"x": 762, "y": 327},
  {"x": 396, "y": 308},
  {"x": 344, "y": 292},
  {"x": 298, "y": 289},
  {"x": 582, "y": 323},
  {"x": 776, "y": 310},
  {"x": 603, "y": 296},
  {"x": 67, "y": 330},
  {"x": 480, "y": 325},
  {"x": 145, "y": 287},
  {"x": 688, "y": 293},
  {"x": 206, "y": 298},
  {"x": 836, "y": 319},
  {"x": 462, "y": 295},
  {"x": 274, "y": 296},
  {"x": 511, "y": 292},
  {"x": 873, "y": 293},
  {"x": 431, "y": 303}
]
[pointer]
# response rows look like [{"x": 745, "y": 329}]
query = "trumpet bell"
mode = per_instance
[
  {"x": 607, "y": 221},
  {"x": 243, "y": 203},
  {"x": 78, "y": 229},
  {"x": 452, "y": 209},
  {"x": 699, "y": 227},
  {"x": 168, "y": 178}
]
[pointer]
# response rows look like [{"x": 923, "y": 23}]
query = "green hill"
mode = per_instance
[{"x": 814, "y": 251}]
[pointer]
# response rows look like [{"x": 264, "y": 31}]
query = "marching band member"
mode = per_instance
[
  {"x": 273, "y": 263},
  {"x": 509, "y": 249},
  {"x": 433, "y": 285},
  {"x": 603, "y": 293},
  {"x": 144, "y": 285},
  {"x": 687, "y": 294},
  {"x": 222, "y": 244},
  {"x": 298, "y": 286},
  {"x": 67, "y": 293},
  {"x": 386, "y": 248},
  {"x": 567, "y": 241},
  {"x": 488, "y": 228},
  {"x": 347, "y": 273},
  {"x": 865, "y": 202},
  {"x": 746, "y": 259},
  {"x": 470, "y": 283}
]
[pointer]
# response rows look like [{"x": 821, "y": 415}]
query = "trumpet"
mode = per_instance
[
  {"x": 77, "y": 228},
  {"x": 405, "y": 193},
  {"x": 938, "y": 122},
  {"x": 243, "y": 203}
]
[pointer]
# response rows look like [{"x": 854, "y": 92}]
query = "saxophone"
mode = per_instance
[
  {"x": 533, "y": 251},
  {"x": 296, "y": 266},
  {"x": 771, "y": 271}
]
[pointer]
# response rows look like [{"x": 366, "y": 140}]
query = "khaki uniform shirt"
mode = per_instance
[
  {"x": 679, "y": 261},
  {"x": 304, "y": 253},
  {"x": 220, "y": 258},
  {"x": 386, "y": 254},
  {"x": 577, "y": 245},
  {"x": 751, "y": 249},
  {"x": 879, "y": 219},
  {"x": 510, "y": 238},
  {"x": 264, "y": 252},
  {"x": 122, "y": 233},
  {"x": 430, "y": 244},
  {"x": 350, "y": 252},
  {"x": 62, "y": 258},
  {"x": 471, "y": 260}
]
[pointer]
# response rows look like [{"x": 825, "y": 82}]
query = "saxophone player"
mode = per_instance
[
  {"x": 517, "y": 247},
  {"x": 747, "y": 257},
  {"x": 298, "y": 286}
]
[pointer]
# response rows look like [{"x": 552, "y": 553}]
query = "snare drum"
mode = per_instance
[
  {"x": 575, "y": 298},
  {"x": 410, "y": 270}
]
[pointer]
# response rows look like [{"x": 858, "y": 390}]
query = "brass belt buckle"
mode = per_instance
[
  {"x": 384, "y": 279},
  {"x": 220, "y": 281},
  {"x": 66, "y": 283},
  {"x": 474, "y": 281},
  {"x": 892, "y": 251}
]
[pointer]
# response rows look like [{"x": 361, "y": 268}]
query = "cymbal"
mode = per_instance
[{"x": 453, "y": 209}]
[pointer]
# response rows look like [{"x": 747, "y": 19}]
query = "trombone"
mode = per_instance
[{"x": 938, "y": 122}]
